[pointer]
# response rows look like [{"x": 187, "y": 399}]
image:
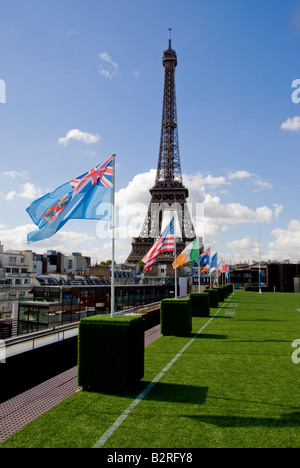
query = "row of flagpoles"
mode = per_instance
[
  {"x": 167, "y": 243},
  {"x": 92, "y": 196}
]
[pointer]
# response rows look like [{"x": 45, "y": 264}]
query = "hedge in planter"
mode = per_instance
[
  {"x": 176, "y": 317},
  {"x": 213, "y": 297},
  {"x": 200, "y": 304},
  {"x": 110, "y": 352},
  {"x": 221, "y": 294}
]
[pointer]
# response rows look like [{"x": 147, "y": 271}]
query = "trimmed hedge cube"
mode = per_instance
[
  {"x": 213, "y": 297},
  {"x": 176, "y": 317},
  {"x": 221, "y": 292},
  {"x": 200, "y": 304},
  {"x": 110, "y": 352}
]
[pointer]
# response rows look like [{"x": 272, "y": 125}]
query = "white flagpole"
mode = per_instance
[
  {"x": 112, "y": 295},
  {"x": 259, "y": 271},
  {"x": 222, "y": 272},
  {"x": 210, "y": 256},
  {"x": 199, "y": 268},
  {"x": 175, "y": 255}
]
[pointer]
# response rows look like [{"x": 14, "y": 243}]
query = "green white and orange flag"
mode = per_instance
[{"x": 189, "y": 254}]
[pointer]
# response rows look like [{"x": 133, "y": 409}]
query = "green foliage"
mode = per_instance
[
  {"x": 176, "y": 317},
  {"x": 223, "y": 293},
  {"x": 200, "y": 304},
  {"x": 110, "y": 352},
  {"x": 213, "y": 297}
]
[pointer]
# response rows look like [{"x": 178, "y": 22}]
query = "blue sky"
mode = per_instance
[{"x": 84, "y": 79}]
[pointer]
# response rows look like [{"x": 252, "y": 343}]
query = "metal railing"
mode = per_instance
[{"x": 31, "y": 341}]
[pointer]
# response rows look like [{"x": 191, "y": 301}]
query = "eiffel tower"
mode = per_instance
[{"x": 168, "y": 193}]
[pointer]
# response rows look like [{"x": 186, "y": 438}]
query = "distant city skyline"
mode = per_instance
[{"x": 81, "y": 80}]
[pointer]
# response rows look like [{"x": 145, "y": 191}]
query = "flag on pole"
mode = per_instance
[
  {"x": 214, "y": 263},
  {"x": 189, "y": 254},
  {"x": 204, "y": 258},
  {"x": 206, "y": 268},
  {"x": 86, "y": 197},
  {"x": 165, "y": 243},
  {"x": 220, "y": 266}
]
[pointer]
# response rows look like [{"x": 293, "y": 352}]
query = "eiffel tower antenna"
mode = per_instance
[{"x": 168, "y": 193}]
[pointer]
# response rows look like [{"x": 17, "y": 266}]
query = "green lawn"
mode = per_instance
[{"x": 234, "y": 386}]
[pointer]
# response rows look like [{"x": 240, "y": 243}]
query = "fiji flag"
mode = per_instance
[{"x": 86, "y": 197}]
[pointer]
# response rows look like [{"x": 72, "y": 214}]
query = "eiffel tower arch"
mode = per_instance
[{"x": 168, "y": 193}]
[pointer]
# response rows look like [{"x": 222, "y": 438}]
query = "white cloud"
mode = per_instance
[
  {"x": 277, "y": 210},
  {"x": 239, "y": 175},
  {"x": 28, "y": 191},
  {"x": 243, "y": 250},
  {"x": 239, "y": 245},
  {"x": 15, "y": 238},
  {"x": 235, "y": 213},
  {"x": 195, "y": 181},
  {"x": 108, "y": 68},
  {"x": 285, "y": 246},
  {"x": 291, "y": 124},
  {"x": 13, "y": 174},
  {"x": 253, "y": 179},
  {"x": 287, "y": 242},
  {"x": 137, "y": 190},
  {"x": 78, "y": 135},
  {"x": 262, "y": 183},
  {"x": 210, "y": 215},
  {"x": 10, "y": 195},
  {"x": 63, "y": 241}
]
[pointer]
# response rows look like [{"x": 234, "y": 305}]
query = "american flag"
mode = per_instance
[
  {"x": 165, "y": 243},
  {"x": 96, "y": 175}
]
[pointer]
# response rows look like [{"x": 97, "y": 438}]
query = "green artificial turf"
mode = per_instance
[{"x": 235, "y": 386}]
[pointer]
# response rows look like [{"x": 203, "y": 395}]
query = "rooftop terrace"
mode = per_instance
[{"x": 232, "y": 383}]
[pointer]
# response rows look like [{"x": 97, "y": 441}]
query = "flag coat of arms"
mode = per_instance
[
  {"x": 86, "y": 197},
  {"x": 189, "y": 254},
  {"x": 165, "y": 243}
]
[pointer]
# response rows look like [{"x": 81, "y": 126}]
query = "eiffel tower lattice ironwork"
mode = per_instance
[{"x": 168, "y": 193}]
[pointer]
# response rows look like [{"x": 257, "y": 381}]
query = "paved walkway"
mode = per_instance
[{"x": 24, "y": 408}]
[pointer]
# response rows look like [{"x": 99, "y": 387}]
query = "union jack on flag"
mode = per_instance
[
  {"x": 95, "y": 176},
  {"x": 165, "y": 243},
  {"x": 86, "y": 197}
]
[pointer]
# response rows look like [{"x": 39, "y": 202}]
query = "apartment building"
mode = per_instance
[{"x": 16, "y": 279}]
